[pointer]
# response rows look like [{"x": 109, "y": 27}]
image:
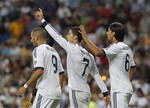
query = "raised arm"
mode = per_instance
[
  {"x": 95, "y": 50},
  {"x": 52, "y": 31}
]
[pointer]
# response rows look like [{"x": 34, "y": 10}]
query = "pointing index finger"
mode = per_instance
[{"x": 40, "y": 9}]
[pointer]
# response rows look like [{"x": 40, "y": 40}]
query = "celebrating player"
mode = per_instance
[
  {"x": 48, "y": 72},
  {"x": 121, "y": 63},
  {"x": 80, "y": 63}
]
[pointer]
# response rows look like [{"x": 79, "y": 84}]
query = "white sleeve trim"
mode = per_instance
[{"x": 43, "y": 20}]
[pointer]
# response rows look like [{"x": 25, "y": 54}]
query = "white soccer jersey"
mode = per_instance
[
  {"x": 47, "y": 58},
  {"x": 79, "y": 64},
  {"x": 120, "y": 58}
]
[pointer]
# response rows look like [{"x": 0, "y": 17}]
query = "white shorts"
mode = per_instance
[
  {"x": 43, "y": 102},
  {"x": 120, "y": 100},
  {"x": 79, "y": 99}
]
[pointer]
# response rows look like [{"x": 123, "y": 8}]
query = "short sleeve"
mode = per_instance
[
  {"x": 133, "y": 61},
  {"x": 38, "y": 60},
  {"x": 61, "y": 69},
  {"x": 112, "y": 50}
]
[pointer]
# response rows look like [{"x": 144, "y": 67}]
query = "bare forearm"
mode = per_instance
[
  {"x": 61, "y": 79},
  {"x": 132, "y": 73},
  {"x": 34, "y": 77},
  {"x": 94, "y": 49}
]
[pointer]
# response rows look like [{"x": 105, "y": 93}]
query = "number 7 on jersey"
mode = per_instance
[{"x": 86, "y": 65}]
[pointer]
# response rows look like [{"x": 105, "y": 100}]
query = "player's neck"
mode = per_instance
[
  {"x": 75, "y": 42},
  {"x": 41, "y": 42},
  {"x": 114, "y": 41}
]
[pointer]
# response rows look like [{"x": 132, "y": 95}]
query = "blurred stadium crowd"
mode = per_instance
[{"x": 17, "y": 20}]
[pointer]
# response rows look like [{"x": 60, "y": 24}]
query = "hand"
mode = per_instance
[
  {"x": 83, "y": 32},
  {"x": 39, "y": 14},
  {"x": 107, "y": 100},
  {"x": 21, "y": 91}
]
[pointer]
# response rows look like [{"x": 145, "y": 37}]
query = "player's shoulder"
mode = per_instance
[
  {"x": 76, "y": 49},
  {"x": 43, "y": 48},
  {"x": 117, "y": 47},
  {"x": 124, "y": 46},
  {"x": 38, "y": 50},
  {"x": 120, "y": 45},
  {"x": 40, "y": 47},
  {"x": 113, "y": 46},
  {"x": 74, "y": 46},
  {"x": 47, "y": 47},
  {"x": 84, "y": 51}
]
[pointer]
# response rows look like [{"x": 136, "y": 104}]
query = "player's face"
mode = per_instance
[
  {"x": 70, "y": 36},
  {"x": 110, "y": 35},
  {"x": 34, "y": 39}
]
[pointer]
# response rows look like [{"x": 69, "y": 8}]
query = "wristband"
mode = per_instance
[
  {"x": 44, "y": 23},
  {"x": 105, "y": 94},
  {"x": 43, "y": 20},
  {"x": 25, "y": 86}
]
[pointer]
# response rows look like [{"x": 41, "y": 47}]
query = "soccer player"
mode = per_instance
[
  {"x": 80, "y": 63},
  {"x": 121, "y": 63},
  {"x": 48, "y": 72}
]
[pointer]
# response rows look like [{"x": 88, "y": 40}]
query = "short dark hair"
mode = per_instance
[
  {"x": 75, "y": 31},
  {"x": 41, "y": 32},
  {"x": 119, "y": 30}
]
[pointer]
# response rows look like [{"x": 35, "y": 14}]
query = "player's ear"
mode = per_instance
[
  {"x": 36, "y": 38},
  {"x": 75, "y": 37},
  {"x": 113, "y": 33}
]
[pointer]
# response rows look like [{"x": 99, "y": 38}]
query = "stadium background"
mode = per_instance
[{"x": 17, "y": 20}]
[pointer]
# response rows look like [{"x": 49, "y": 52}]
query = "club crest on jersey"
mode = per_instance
[{"x": 35, "y": 62}]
